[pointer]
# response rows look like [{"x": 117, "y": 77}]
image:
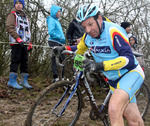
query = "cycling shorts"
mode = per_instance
[{"x": 130, "y": 82}]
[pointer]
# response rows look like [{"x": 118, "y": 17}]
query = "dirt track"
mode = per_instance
[{"x": 14, "y": 105}]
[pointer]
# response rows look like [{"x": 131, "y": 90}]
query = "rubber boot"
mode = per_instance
[
  {"x": 13, "y": 81},
  {"x": 24, "y": 82}
]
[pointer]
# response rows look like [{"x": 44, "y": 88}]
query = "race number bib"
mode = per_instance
[{"x": 78, "y": 62}]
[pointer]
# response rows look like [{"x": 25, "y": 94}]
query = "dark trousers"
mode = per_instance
[
  {"x": 53, "y": 60},
  {"x": 19, "y": 56}
]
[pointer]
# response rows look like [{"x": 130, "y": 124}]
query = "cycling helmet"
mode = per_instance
[{"x": 86, "y": 11}]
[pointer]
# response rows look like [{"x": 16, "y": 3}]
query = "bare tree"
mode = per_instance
[{"x": 135, "y": 11}]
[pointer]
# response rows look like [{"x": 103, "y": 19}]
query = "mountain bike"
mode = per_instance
[{"x": 61, "y": 103}]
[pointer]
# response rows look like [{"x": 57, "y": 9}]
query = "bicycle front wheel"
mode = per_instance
[{"x": 44, "y": 111}]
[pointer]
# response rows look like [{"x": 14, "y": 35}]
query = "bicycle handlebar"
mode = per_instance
[
  {"x": 86, "y": 55},
  {"x": 137, "y": 54}
]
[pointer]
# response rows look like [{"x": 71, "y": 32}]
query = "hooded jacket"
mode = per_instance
[{"x": 54, "y": 27}]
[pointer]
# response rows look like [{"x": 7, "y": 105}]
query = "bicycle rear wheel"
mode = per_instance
[
  {"x": 42, "y": 113},
  {"x": 142, "y": 98}
]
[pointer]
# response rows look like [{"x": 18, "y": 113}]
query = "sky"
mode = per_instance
[{"x": 47, "y": 4}]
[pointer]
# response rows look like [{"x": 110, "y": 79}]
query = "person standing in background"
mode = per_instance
[
  {"x": 135, "y": 47},
  {"x": 74, "y": 33},
  {"x": 56, "y": 38},
  {"x": 127, "y": 27},
  {"x": 18, "y": 27}
]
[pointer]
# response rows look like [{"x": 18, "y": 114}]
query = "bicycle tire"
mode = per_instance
[
  {"x": 41, "y": 109},
  {"x": 67, "y": 72},
  {"x": 143, "y": 97}
]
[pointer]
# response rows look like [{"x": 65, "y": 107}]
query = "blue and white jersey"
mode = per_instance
[{"x": 112, "y": 48}]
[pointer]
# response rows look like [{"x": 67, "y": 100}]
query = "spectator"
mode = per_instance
[
  {"x": 57, "y": 37},
  {"x": 126, "y": 26},
  {"x": 135, "y": 47},
  {"x": 18, "y": 27},
  {"x": 74, "y": 33}
]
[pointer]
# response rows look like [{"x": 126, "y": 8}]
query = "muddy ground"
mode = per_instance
[{"x": 15, "y": 104}]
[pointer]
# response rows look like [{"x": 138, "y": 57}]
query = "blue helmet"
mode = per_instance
[
  {"x": 22, "y": 1},
  {"x": 86, "y": 11}
]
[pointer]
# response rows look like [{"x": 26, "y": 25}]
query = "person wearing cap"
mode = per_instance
[
  {"x": 110, "y": 48},
  {"x": 56, "y": 38},
  {"x": 126, "y": 26},
  {"x": 17, "y": 25}
]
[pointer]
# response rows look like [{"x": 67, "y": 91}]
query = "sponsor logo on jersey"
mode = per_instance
[{"x": 101, "y": 49}]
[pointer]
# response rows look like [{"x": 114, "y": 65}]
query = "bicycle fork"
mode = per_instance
[{"x": 75, "y": 86}]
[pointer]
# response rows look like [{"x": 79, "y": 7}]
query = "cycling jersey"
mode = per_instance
[{"x": 112, "y": 48}]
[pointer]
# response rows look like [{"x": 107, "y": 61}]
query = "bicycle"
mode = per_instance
[
  {"x": 102, "y": 82},
  {"x": 63, "y": 101}
]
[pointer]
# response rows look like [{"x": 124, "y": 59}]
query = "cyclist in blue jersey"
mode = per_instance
[{"x": 113, "y": 56}]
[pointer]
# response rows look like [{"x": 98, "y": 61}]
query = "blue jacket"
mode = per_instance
[{"x": 54, "y": 27}]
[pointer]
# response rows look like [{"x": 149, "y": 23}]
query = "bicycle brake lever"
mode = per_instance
[{"x": 67, "y": 52}]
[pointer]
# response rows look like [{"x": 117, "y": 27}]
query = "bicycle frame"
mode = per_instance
[
  {"x": 71, "y": 95},
  {"x": 88, "y": 91},
  {"x": 44, "y": 111}
]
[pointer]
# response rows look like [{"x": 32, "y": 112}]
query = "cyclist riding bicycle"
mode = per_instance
[{"x": 113, "y": 56}]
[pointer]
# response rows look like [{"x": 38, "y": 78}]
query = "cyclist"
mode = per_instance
[
  {"x": 113, "y": 56},
  {"x": 76, "y": 31}
]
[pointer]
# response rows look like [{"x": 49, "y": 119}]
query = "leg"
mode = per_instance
[
  {"x": 24, "y": 60},
  {"x": 15, "y": 58},
  {"x": 124, "y": 93},
  {"x": 24, "y": 68},
  {"x": 132, "y": 115},
  {"x": 54, "y": 68},
  {"x": 62, "y": 57},
  {"x": 117, "y": 105},
  {"x": 15, "y": 61}
]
